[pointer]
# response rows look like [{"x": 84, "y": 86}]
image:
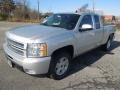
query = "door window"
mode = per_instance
[
  {"x": 97, "y": 21},
  {"x": 87, "y": 19}
]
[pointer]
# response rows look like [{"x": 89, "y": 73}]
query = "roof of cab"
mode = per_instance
[{"x": 78, "y": 13}]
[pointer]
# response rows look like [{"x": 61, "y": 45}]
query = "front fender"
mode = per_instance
[{"x": 59, "y": 41}]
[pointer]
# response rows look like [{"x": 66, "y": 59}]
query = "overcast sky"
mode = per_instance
[{"x": 108, "y": 6}]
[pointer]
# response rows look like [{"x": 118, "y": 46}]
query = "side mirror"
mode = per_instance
[{"x": 86, "y": 27}]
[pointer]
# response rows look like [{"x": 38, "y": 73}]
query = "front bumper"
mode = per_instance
[{"x": 31, "y": 66}]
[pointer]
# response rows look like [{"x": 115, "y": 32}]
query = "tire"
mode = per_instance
[
  {"x": 107, "y": 45},
  {"x": 60, "y": 65}
]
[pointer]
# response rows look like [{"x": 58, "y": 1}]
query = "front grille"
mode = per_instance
[{"x": 15, "y": 47}]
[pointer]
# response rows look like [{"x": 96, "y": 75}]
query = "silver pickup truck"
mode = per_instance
[{"x": 50, "y": 46}]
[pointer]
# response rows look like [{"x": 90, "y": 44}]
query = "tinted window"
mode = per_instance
[
  {"x": 87, "y": 19},
  {"x": 97, "y": 22}
]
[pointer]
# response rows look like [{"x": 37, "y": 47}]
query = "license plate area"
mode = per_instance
[
  {"x": 13, "y": 64},
  {"x": 9, "y": 61}
]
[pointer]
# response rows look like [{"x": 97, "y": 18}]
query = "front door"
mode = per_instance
[{"x": 85, "y": 38}]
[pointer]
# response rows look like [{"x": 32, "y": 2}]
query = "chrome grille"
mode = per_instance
[{"x": 15, "y": 47}]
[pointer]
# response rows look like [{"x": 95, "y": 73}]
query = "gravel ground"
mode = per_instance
[{"x": 95, "y": 70}]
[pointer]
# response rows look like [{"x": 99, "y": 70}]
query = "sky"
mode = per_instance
[{"x": 110, "y": 7}]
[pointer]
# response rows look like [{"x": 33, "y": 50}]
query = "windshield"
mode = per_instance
[{"x": 67, "y": 21}]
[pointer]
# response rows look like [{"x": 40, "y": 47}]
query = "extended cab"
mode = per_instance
[{"x": 50, "y": 46}]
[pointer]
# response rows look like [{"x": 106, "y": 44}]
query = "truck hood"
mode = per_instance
[{"x": 36, "y": 32}]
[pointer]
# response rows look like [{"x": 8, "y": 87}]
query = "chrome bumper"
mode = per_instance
[{"x": 31, "y": 66}]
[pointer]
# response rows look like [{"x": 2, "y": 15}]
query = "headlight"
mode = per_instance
[{"x": 37, "y": 50}]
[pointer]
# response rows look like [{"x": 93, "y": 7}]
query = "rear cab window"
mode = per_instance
[{"x": 97, "y": 21}]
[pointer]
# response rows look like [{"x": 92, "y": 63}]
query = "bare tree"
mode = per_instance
[
  {"x": 6, "y": 8},
  {"x": 22, "y": 9}
]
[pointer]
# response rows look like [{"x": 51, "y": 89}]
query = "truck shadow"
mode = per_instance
[{"x": 90, "y": 58}]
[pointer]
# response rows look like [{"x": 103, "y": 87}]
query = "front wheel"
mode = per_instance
[{"x": 60, "y": 65}]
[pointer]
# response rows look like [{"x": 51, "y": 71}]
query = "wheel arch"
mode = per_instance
[{"x": 69, "y": 49}]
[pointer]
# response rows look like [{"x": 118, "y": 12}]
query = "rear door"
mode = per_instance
[{"x": 98, "y": 30}]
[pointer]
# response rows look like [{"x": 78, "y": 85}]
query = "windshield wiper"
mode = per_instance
[
  {"x": 55, "y": 25},
  {"x": 52, "y": 25},
  {"x": 49, "y": 25},
  {"x": 44, "y": 24}
]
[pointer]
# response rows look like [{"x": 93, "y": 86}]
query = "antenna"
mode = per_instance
[
  {"x": 38, "y": 10},
  {"x": 93, "y": 5}
]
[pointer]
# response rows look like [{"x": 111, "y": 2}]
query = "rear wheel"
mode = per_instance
[
  {"x": 107, "y": 46},
  {"x": 60, "y": 65}
]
